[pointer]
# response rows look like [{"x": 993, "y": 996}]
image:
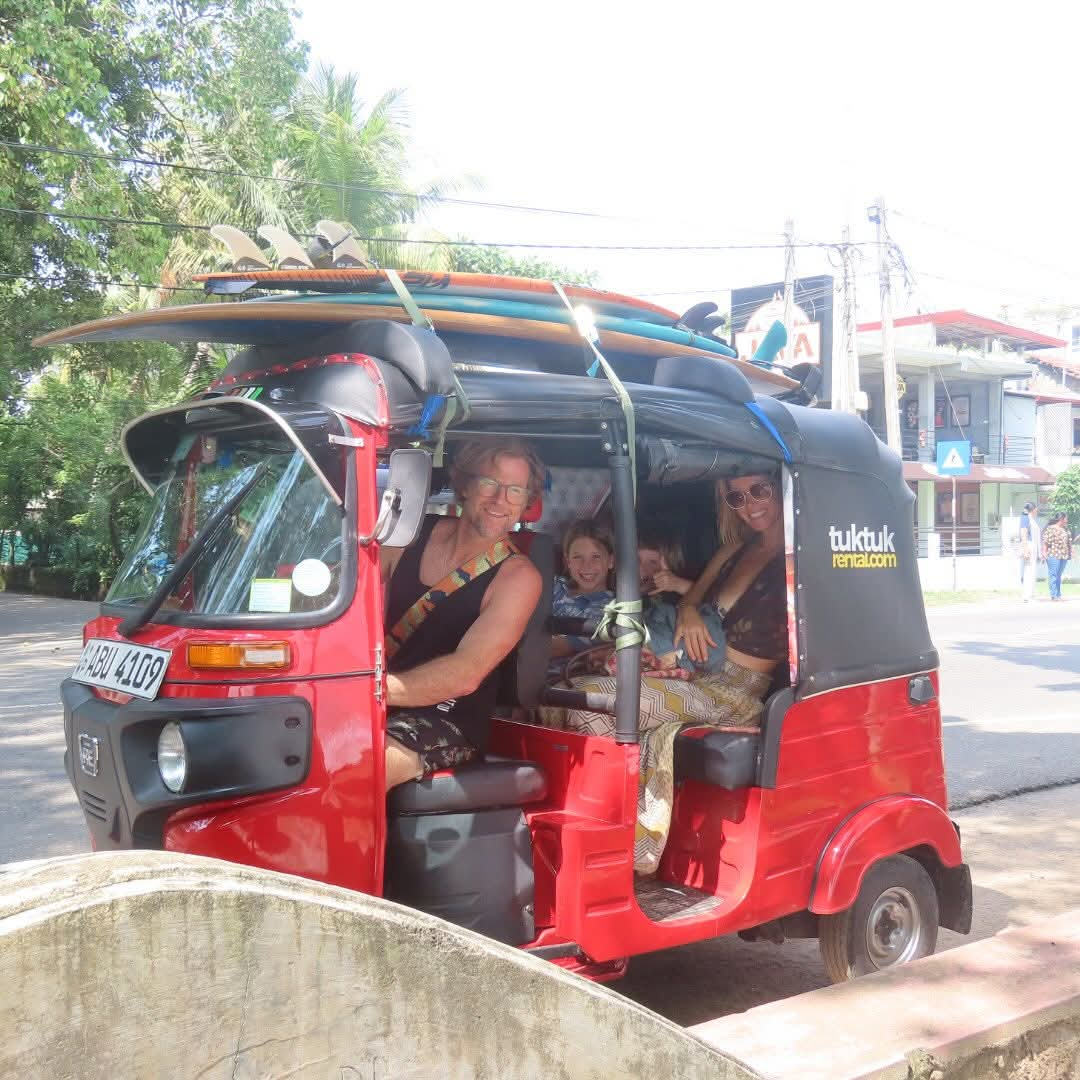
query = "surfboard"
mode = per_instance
[
  {"x": 422, "y": 283},
  {"x": 268, "y": 322},
  {"x": 513, "y": 309}
]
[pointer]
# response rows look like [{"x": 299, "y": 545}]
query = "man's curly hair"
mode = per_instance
[{"x": 473, "y": 456}]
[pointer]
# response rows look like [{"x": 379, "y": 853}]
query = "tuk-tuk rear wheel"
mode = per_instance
[{"x": 894, "y": 920}]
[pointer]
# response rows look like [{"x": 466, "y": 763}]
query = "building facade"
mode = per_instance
[{"x": 964, "y": 378}]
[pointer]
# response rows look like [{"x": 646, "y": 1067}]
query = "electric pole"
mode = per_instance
[
  {"x": 845, "y": 382},
  {"x": 789, "y": 289},
  {"x": 888, "y": 347}
]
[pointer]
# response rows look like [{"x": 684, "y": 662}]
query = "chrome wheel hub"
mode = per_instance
[{"x": 894, "y": 928}]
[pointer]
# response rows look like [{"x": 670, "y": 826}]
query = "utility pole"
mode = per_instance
[
  {"x": 888, "y": 346},
  {"x": 789, "y": 289},
  {"x": 845, "y": 381}
]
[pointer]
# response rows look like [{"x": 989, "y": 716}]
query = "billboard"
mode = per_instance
[{"x": 755, "y": 309}]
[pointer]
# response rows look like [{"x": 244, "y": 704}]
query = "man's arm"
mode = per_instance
[
  {"x": 388, "y": 560},
  {"x": 509, "y": 604}
]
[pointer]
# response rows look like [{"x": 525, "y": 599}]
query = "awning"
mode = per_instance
[{"x": 981, "y": 474}]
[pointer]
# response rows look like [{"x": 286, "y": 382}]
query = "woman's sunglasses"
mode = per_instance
[{"x": 759, "y": 492}]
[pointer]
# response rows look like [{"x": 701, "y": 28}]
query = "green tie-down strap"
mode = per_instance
[{"x": 622, "y": 615}]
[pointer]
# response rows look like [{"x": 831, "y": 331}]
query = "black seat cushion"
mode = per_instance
[
  {"x": 726, "y": 759},
  {"x": 523, "y": 672},
  {"x": 484, "y": 785}
]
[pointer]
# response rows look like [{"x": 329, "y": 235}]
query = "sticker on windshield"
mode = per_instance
[
  {"x": 311, "y": 577},
  {"x": 270, "y": 594}
]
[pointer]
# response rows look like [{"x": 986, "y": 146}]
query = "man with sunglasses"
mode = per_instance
[{"x": 458, "y": 602}]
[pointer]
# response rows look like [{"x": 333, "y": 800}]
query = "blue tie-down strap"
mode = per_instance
[
  {"x": 422, "y": 428},
  {"x": 770, "y": 427}
]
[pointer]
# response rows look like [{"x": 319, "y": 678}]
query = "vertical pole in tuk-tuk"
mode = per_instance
[{"x": 627, "y": 590}]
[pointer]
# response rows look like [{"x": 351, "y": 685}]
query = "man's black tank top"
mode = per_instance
[{"x": 440, "y": 633}]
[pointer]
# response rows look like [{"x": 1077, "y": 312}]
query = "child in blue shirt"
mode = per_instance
[
  {"x": 661, "y": 565},
  {"x": 583, "y": 592}
]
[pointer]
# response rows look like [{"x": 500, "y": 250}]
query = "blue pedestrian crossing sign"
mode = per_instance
[{"x": 953, "y": 458}]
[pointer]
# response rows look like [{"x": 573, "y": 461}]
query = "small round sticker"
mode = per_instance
[{"x": 311, "y": 577}]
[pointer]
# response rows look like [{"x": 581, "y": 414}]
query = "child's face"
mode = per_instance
[
  {"x": 649, "y": 561},
  {"x": 589, "y": 564}
]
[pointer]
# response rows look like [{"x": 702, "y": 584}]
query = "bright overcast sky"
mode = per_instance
[{"x": 710, "y": 123}]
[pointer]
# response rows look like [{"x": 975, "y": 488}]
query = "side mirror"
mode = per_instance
[{"x": 404, "y": 500}]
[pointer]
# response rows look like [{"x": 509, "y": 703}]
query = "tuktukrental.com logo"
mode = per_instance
[{"x": 862, "y": 549}]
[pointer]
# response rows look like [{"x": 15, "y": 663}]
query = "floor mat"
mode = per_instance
[{"x": 663, "y": 901}]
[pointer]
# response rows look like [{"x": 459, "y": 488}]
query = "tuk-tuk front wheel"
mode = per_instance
[{"x": 894, "y": 919}]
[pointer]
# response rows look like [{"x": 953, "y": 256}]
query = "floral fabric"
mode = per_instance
[{"x": 1056, "y": 542}]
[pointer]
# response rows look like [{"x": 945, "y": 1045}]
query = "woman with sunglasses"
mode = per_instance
[
  {"x": 745, "y": 584},
  {"x": 744, "y": 579}
]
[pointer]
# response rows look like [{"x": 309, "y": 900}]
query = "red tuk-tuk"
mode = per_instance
[{"x": 230, "y": 698}]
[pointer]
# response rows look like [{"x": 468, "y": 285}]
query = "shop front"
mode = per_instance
[{"x": 978, "y": 520}]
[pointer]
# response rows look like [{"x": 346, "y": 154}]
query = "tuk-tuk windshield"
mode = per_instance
[{"x": 278, "y": 552}]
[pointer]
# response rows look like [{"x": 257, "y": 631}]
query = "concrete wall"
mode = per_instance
[
  {"x": 1020, "y": 416},
  {"x": 1003, "y": 1009},
  {"x": 146, "y": 964},
  {"x": 1054, "y": 436}
]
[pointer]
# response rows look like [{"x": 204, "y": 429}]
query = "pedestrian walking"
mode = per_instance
[
  {"x": 1030, "y": 549},
  {"x": 1057, "y": 550}
]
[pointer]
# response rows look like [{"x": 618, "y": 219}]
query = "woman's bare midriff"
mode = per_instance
[{"x": 751, "y": 663}]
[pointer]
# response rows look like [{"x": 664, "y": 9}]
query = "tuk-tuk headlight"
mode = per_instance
[{"x": 172, "y": 760}]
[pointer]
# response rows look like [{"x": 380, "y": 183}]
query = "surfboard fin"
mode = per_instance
[
  {"x": 692, "y": 318},
  {"x": 246, "y": 254},
  {"x": 344, "y": 249},
  {"x": 291, "y": 255},
  {"x": 774, "y": 340}
]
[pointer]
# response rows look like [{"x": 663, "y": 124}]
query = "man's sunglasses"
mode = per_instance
[
  {"x": 759, "y": 492},
  {"x": 487, "y": 488}
]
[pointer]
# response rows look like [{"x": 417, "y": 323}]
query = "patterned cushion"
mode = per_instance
[{"x": 572, "y": 493}]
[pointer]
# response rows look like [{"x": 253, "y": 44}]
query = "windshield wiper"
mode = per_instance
[{"x": 186, "y": 561}]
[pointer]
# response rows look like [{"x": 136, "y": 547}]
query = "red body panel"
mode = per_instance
[
  {"x": 758, "y": 849},
  {"x": 332, "y": 827},
  {"x": 895, "y": 821}
]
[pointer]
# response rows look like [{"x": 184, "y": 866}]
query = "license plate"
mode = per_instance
[{"x": 119, "y": 665}]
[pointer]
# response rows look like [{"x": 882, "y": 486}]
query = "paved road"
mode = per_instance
[{"x": 1010, "y": 676}]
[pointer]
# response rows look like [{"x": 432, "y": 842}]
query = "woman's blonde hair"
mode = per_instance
[
  {"x": 729, "y": 525},
  {"x": 475, "y": 455}
]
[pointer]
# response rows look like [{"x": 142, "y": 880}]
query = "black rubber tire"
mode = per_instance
[{"x": 843, "y": 937}]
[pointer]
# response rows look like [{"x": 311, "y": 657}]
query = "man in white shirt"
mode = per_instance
[{"x": 1030, "y": 546}]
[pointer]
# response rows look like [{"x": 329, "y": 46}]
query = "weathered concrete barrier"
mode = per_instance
[
  {"x": 1007, "y": 1008},
  {"x": 147, "y": 964}
]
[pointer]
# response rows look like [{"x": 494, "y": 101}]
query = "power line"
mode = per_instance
[
  {"x": 107, "y": 281},
  {"x": 988, "y": 247},
  {"x": 105, "y": 220},
  {"x": 239, "y": 174},
  {"x": 437, "y": 243}
]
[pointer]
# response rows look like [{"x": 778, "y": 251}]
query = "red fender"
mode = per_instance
[{"x": 880, "y": 829}]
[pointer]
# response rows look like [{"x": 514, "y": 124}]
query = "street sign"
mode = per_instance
[{"x": 953, "y": 458}]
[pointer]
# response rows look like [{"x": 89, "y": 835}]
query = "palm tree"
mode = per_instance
[{"x": 352, "y": 165}]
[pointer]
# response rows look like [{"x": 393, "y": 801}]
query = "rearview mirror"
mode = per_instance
[{"x": 404, "y": 499}]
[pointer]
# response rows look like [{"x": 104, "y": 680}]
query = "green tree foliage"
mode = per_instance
[
  {"x": 115, "y": 78},
  {"x": 1066, "y": 495},
  {"x": 214, "y": 85},
  {"x": 476, "y": 260}
]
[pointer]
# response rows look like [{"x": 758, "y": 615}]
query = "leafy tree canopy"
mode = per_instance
[
  {"x": 1066, "y": 495},
  {"x": 477, "y": 260}
]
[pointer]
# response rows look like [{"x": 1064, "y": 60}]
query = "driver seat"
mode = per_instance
[{"x": 457, "y": 843}]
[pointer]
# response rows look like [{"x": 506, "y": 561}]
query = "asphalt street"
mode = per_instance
[{"x": 1010, "y": 673}]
